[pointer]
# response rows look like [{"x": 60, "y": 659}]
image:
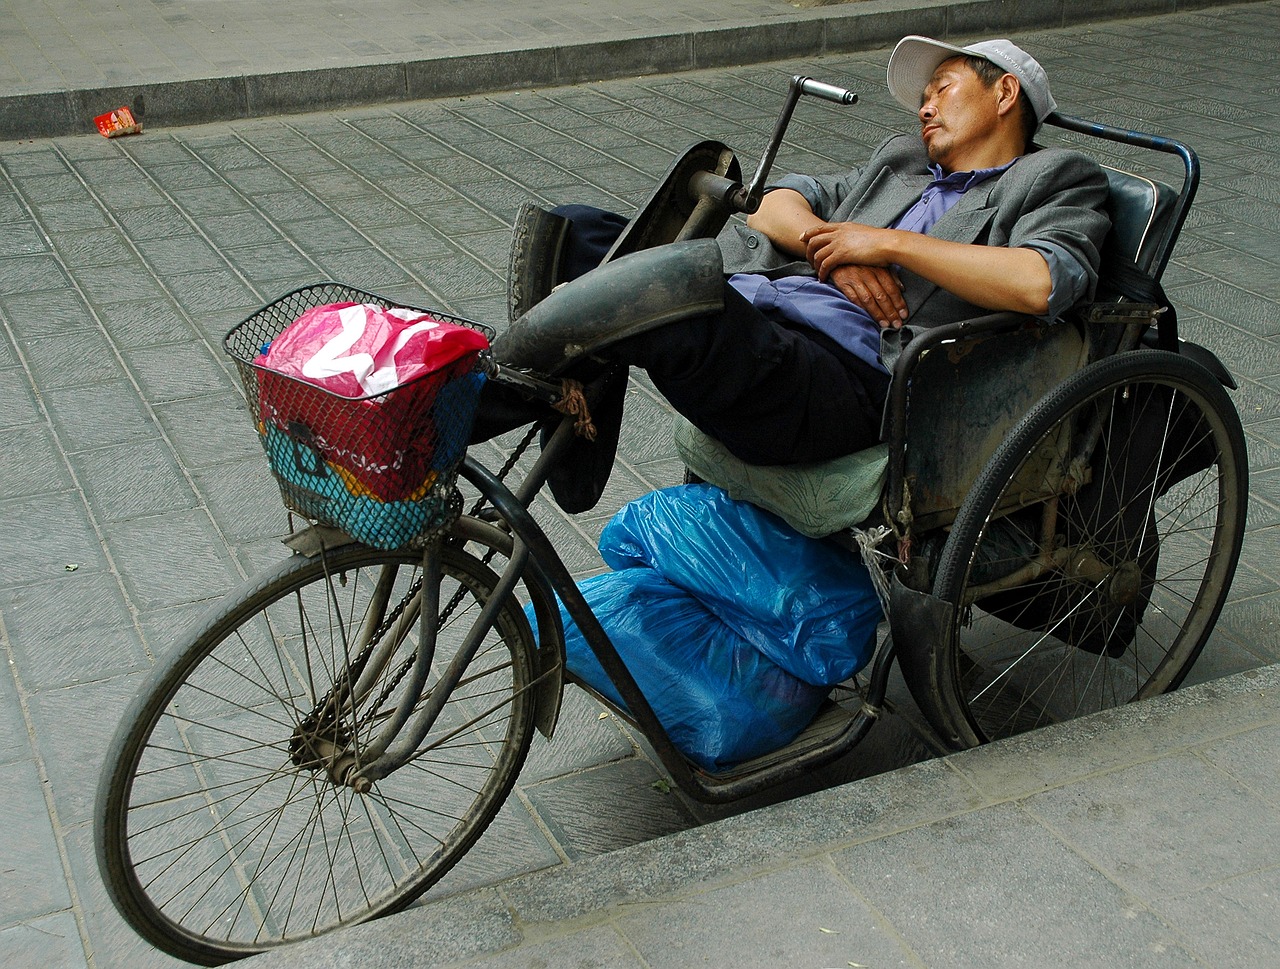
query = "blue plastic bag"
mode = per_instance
[
  {"x": 719, "y": 699},
  {"x": 807, "y": 605}
]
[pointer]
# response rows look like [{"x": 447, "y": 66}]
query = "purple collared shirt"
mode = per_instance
[{"x": 805, "y": 301}]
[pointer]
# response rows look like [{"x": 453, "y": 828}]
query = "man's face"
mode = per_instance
[{"x": 957, "y": 114}]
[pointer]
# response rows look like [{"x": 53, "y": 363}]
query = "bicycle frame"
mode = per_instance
[
  {"x": 830, "y": 738},
  {"x": 708, "y": 170}
]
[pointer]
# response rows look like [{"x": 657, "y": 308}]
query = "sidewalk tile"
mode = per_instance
[
  {"x": 947, "y": 897},
  {"x": 802, "y": 915},
  {"x": 33, "y": 883},
  {"x": 52, "y": 940},
  {"x": 1134, "y": 825}
]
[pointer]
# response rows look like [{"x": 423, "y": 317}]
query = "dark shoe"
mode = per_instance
[{"x": 537, "y": 246}]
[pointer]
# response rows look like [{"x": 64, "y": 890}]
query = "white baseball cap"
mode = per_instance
[{"x": 914, "y": 60}]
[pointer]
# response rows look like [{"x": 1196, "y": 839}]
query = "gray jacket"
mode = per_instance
[{"x": 1052, "y": 199}]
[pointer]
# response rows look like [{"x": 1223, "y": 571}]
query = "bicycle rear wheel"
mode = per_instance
[
  {"x": 1090, "y": 561},
  {"x": 224, "y": 825}
]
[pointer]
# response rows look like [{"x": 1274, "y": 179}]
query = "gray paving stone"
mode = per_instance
[
  {"x": 363, "y": 268},
  {"x": 35, "y": 553},
  {"x": 801, "y": 915},
  {"x": 32, "y": 886},
  {"x": 170, "y": 559},
  {"x": 72, "y": 360},
  {"x": 166, "y": 631},
  {"x": 976, "y": 907},
  {"x": 1122, "y": 822},
  {"x": 26, "y": 274},
  {"x": 210, "y": 430},
  {"x": 21, "y": 240},
  {"x": 97, "y": 248},
  {"x": 229, "y": 229},
  {"x": 180, "y": 254},
  {"x": 113, "y": 944},
  {"x": 142, "y": 322},
  {"x": 155, "y": 221},
  {"x": 1224, "y": 654},
  {"x": 584, "y": 737},
  {"x": 12, "y": 723},
  {"x": 596, "y": 947},
  {"x": 329, "y": 234},
  {"x": 132, "y": 480},
  {"x": 82, "y": 653},
  {"x": 256, "y": 180},
  {"x": 70, "y": 214},
  {"x": 608, "y": 807},
  {"x": 1230, "y": 925},
  {"x": 31, "y": 463},
  {"x": 53, "y": 940},
  {"x": 38, "y": 611},
  {"x": 243, "y": 498},
  {"x": 1245, "y": 757},
  {"x": 99, "y": 414},
  {"x": 214, "y": 299},
  {"x": 179, "y": 371},
  {"x": 73, "y": 730},
  {"x": 775, "y": 834},
  {"x": 512, "y": 845},
  {"x": 1133, "y": 735},
  {"x": 1256, "y": 621},
  {"x": 1251, "y": 313}
]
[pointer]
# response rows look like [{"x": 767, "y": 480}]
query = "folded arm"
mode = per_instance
[
  {"x": 993, "y": 277},
  {"x": 859, "y": 260},
  {"x": 786, "y": 218}
]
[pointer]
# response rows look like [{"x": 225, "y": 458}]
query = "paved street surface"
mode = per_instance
[{"x": 133, "y": 493}]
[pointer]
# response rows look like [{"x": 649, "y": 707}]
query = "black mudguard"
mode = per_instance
[
  {"x": 630, "y": 295},
  {"x": 920, "y": 623}
]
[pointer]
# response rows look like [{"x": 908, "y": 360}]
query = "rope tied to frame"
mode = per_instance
[
  {"x": 574, "y": 403},
  {"x": 869, "y": 541}
]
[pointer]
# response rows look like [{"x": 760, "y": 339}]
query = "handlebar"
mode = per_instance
[
  {"x": 747, "y": 200},
  {"x": 828, "y": 92}
]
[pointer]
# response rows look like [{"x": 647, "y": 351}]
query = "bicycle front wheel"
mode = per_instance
[
  {"x": 225, "y": 827},
  {"x": 1090, "y": 561}
]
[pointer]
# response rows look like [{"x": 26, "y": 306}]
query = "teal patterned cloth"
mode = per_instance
[{"x": 815, "y": 499}]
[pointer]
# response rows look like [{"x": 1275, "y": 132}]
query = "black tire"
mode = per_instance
[
  {"x": 220, "y": 832},
  {"x": 1147, "y": 543}
]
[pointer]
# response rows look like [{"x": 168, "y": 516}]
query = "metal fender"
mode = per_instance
[{"x": 624, "y": 297}]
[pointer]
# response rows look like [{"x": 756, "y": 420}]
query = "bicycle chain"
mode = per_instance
[{"x": 324, "y": 713}]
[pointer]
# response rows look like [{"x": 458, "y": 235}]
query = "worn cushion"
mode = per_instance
[{"x": 815, "y": 499}]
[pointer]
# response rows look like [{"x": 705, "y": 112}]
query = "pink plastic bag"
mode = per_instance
[
  {"x": 358, "y": 385},
  {"x": 358, "y": 349}
]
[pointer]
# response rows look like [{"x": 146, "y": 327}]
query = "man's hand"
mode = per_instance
[
  {"x": 835, "y": 244},
  {"x": 844, "y": 254},
  {"x": 875, "y": 289}
]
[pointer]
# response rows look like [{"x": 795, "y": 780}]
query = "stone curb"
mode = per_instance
[
  {"x": 564, "y": 900},
  {"x": 847, "y": 27}
]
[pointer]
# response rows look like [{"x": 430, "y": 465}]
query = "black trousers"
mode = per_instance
[{"x": 772, "y": 394}]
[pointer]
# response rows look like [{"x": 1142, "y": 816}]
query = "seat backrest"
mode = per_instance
[{"x": 1140, "y": 209}]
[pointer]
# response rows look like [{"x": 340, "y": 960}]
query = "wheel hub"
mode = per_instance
[
  {"x": 1120, "y": 584},
  {"x": 324, "y": 747},
  {"x": 1125, "y": 584}
]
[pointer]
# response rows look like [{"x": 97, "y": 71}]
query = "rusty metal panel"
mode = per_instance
[{"x": 966, "y": 396}]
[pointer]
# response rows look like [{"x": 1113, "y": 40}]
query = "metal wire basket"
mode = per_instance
[{"x": 381, "y": 468}]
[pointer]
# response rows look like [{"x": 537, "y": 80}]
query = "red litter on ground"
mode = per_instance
[{"x": 118, "y": 122}]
